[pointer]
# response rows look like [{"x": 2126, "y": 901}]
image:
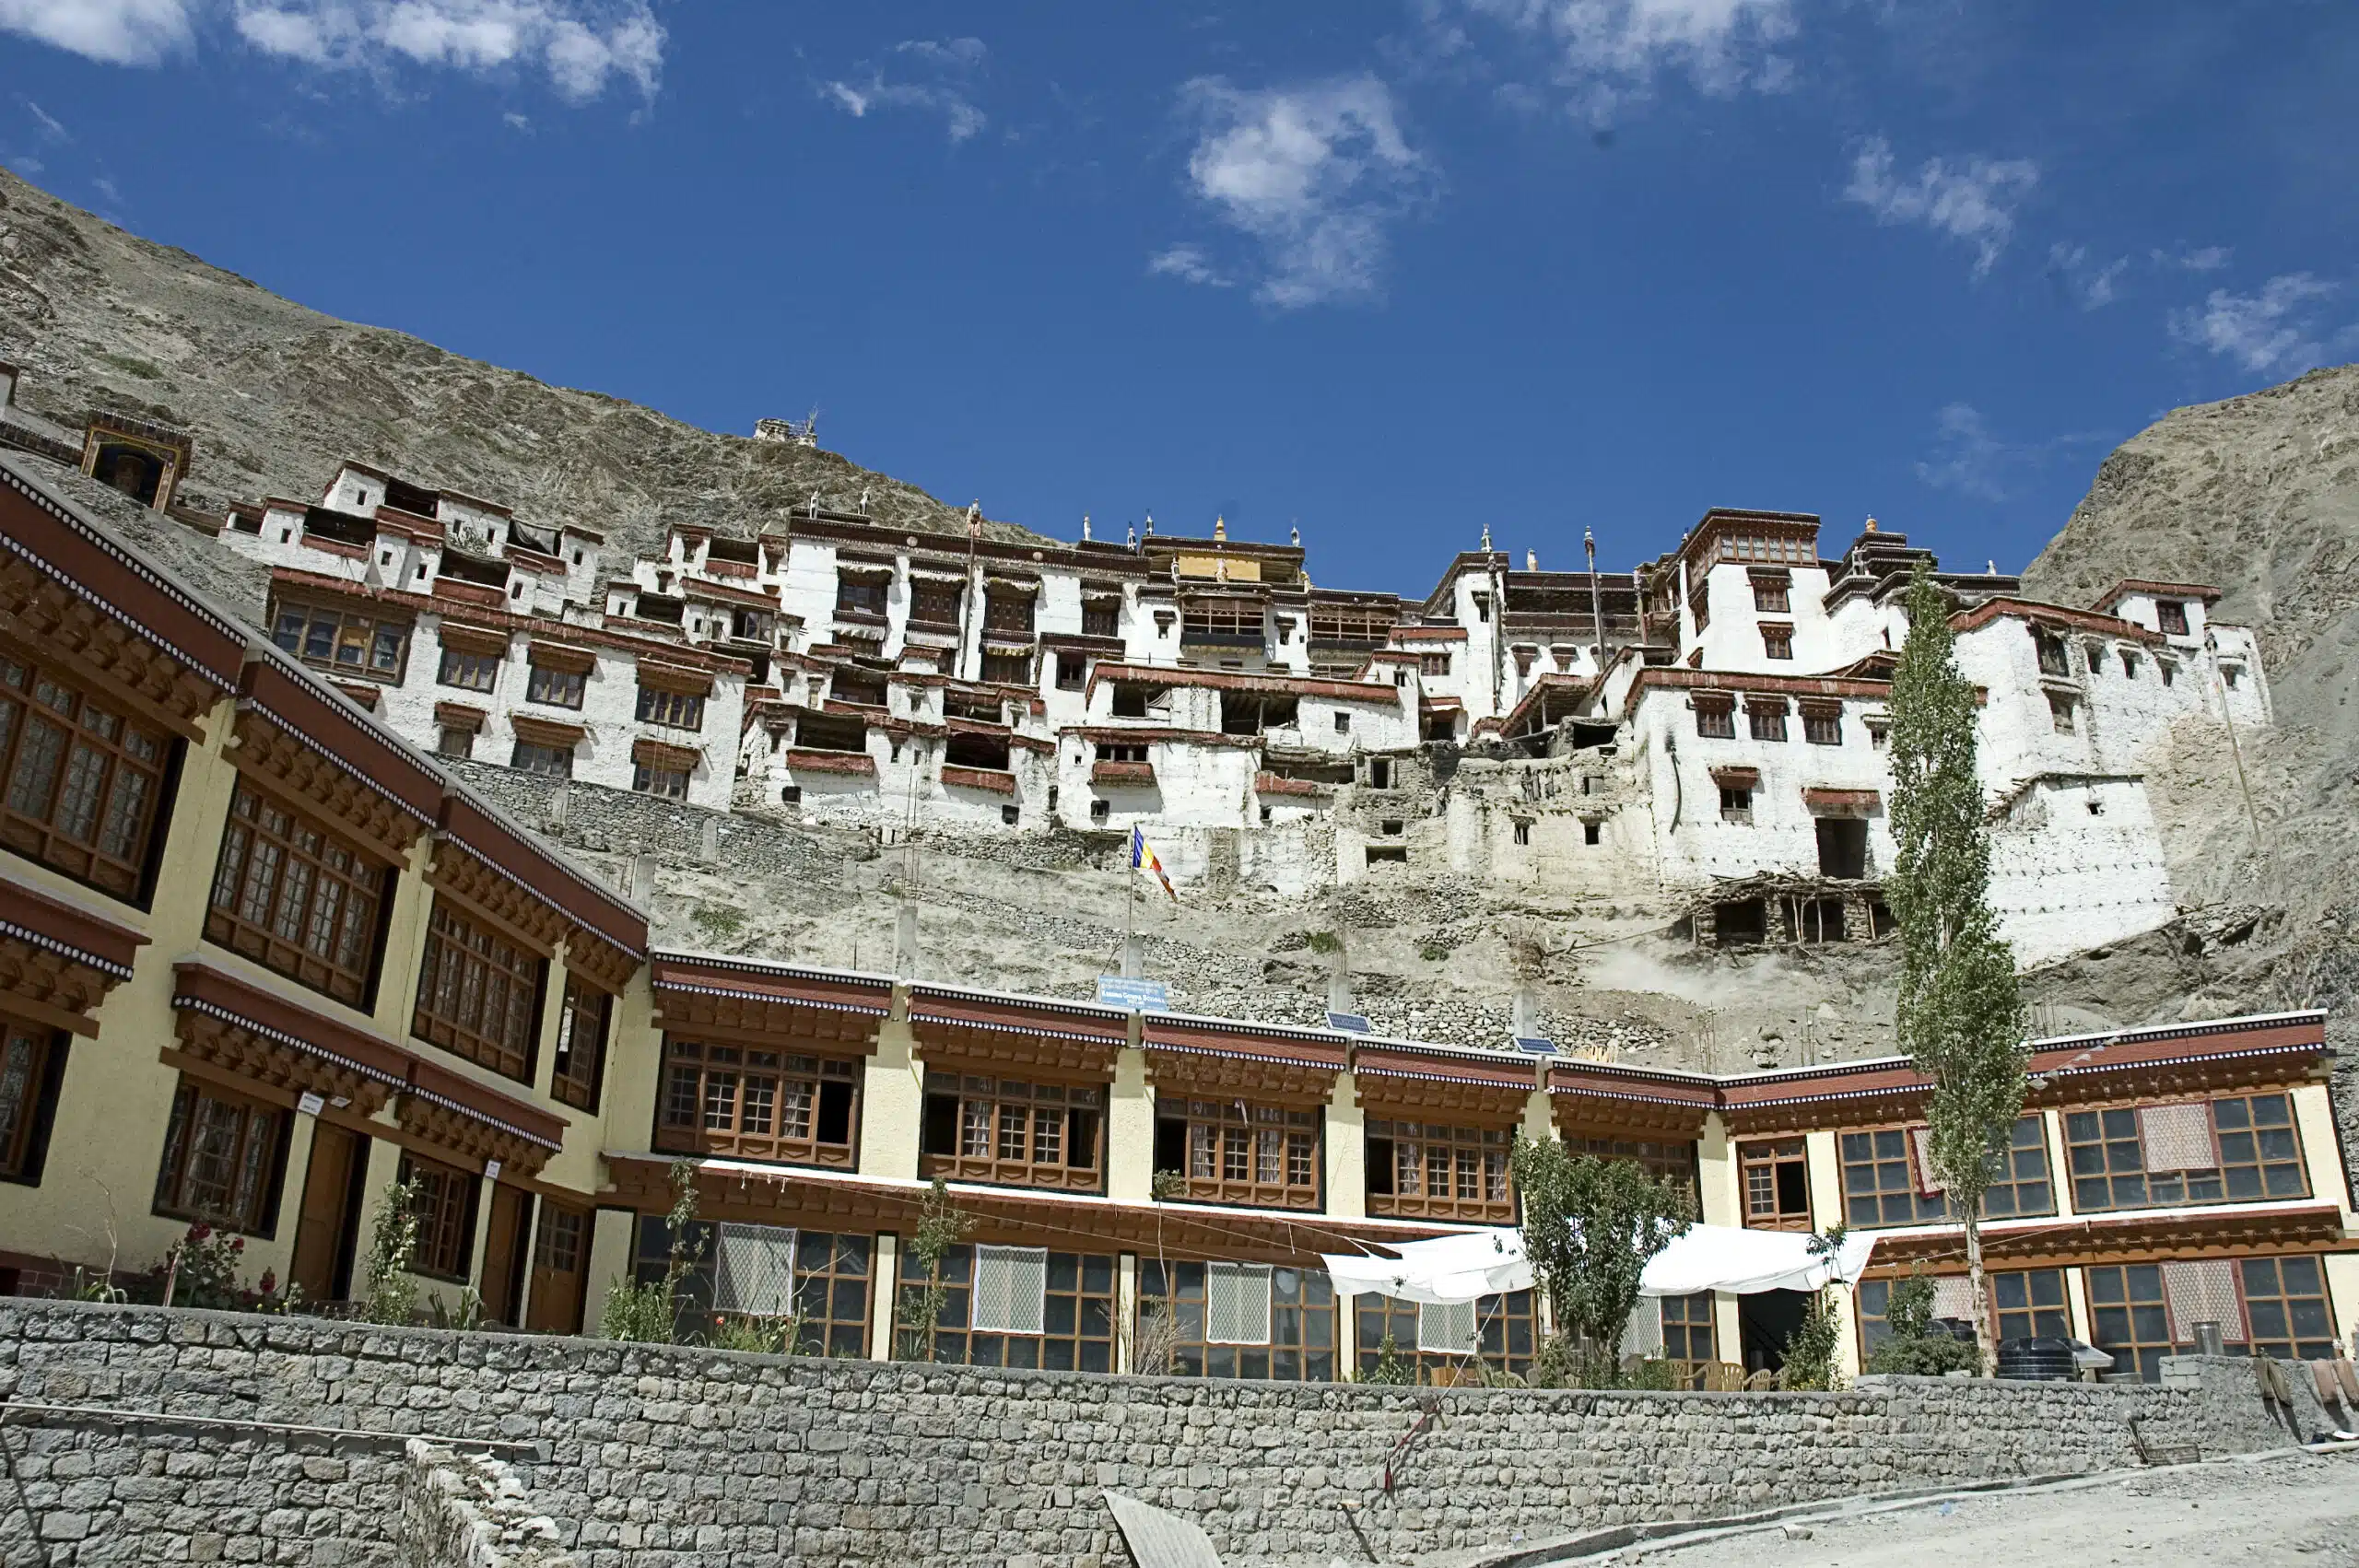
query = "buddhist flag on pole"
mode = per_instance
[{"x": 1142, "y": 859}]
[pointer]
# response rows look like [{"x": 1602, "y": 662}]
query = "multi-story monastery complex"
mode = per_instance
[
  {"x": 262, "y": 950},
  {"x": 1715, "y": 718}
]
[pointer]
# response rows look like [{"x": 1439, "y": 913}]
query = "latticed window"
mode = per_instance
[
  {"x": 2022, "y": 1302},
  {"x": 478, "y": 994},
  {"x": 1076, "y": 1306},
  {"x": 829, "y": 1275},
  {"x": 1102, "y": 618},
  {"x": 548, "y": 762},
  {"x": 221, "y": 1159},
  {"x": 2225, "y": 1151},
  {"x": 1666, "y": 1160},
  {"x": 1501, "y": 1330},
  {"x": 1231, "y": 1151},
  {"x": 559, "y": 688},
  {"x": 26, "y": 1054},
  {"x": 757, "y": 1104},
  {"x": 341, "y": 640},
  {"x": 752, "y": 1274},
  {"x": 1767, "y": 720},
  {"x": 1290, "y": 1314},
  {"x": 445, "y": 1206},
  {"x": 580, "y": 1059},
  {"x": 678, "y": 710},
  {"x": 1775, "y": 1174},
  {"x": 1688, "y": 1332},
  {"x": 2286, "y": 1313},
  {"x": 468, "y": 671},
  {"x": 1437, "y": 1170},
  {"x": 296, "y": 897},
  {"x": 1888, "y": 1176},
  {"x": 1005, "y": 1129},
  {"x": 1716, "y": 719},
  {"x": 1823, "y": 726},
  {"x": 82, "y": 782},
  {"x": 671, "y": 783}
]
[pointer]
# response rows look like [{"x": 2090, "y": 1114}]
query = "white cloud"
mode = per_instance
[
  {"x": 950, "y": 67},
  {"x": 2092, "y": 286},
  {"x": 2211, "y": 258},
  {"x": 1971, "y": 458},
  {"x": 1188, "y": 264},
  {"x": 51, "y": 130},
  {"x": 582, "y": 45},
  {"x": 1973, "y": 202},
  {"x": 2272, "y": 331},
  {"x": 1313, "y": 174},
  {"x": 117, "y": 32},
  {"x": 1608, "y": 52}
]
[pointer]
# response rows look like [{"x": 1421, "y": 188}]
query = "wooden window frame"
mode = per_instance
[
  {"x": 1691, "y": 1330},
  {"x": 553, "y": 687},
  {"x": 1823, "y": 726},
  {"x": 1773, "y": 596},
  {"x": 1508, "y": 1325},
  {"x": 1736, "y": 802},
  {"x": 467, "y": 671},
  {"x": 257, "y": 891},
  {"x": 670, "y": 708},
  {"x": 1303, "y": 1327},
  {"x": 1773, "y": 1155},
  {"x": 299, "y": 627},
  {"x": 2170, "y": 617},
  {"x": 738, "y": 1101},
  {"x": 665, "y": 783},
  {"x": 445, "y": 1206},
  {"x": 1103, "y": 618},
  {"x": 1011, "y": 1117},
  {"x": 1492, "y": 1202},
  {"x": 1081, "y": 1291},
  {"x": 2020, "y": 1167},
  {"x": 862, "y": 596},
  {"x": 32, "y": 1069},
  {"x": 2272, "y": 1303},
  {"x": 2083, "y": 1167},
  {"x": 2128, "y": 1320},
  {"x": 87, "y": 819},
  {"x": 529, "y": 755},
  {"x": 453, "y": 1020},
  {"x": 1777, "y": 641},
  {"x": 1008, "y": 669},
  {"x": 1226, "y": 1134},
  {"x": 256, "y": 1159},
  {"x": 586, "y": 1017},
  {"x": 1764, "y": 721},
  {"x": 1716, "y": 719},
  {"x": 1675, "y": 1160}
]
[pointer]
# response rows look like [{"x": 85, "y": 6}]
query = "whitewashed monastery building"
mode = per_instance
[{"x": 1709, "y": 726}]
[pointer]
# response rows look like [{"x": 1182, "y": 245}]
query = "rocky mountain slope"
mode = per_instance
[
  {"x": 275, "y": 395},
  {"x": 2259, "y": 494}
]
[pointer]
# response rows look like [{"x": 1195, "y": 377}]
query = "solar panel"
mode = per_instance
[
  {"x": 1350, "y": 1022},
  {"x": 1538, "y": 1045}
]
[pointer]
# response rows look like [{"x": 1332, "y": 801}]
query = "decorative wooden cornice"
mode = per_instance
[
  {"x": 541, "y": 731},
  {"x": 58, "y": 962},
  {"x": 476, "y": 882},
  {"x": 766, "y": 1004},
  {"x": 281, "y": 764},
  {"x": 1192, "y": 1074},
  {"x": 48, "y": 620},
  {"x": 482, "y": 641},
  {"x": 238, "y": 1047},
  {"x": 470, "y": 1136},
  {"x": 2129, "y": 1239},
  {"x": 1599, "y": 1116},
  {"x": 598, "y": 961}
]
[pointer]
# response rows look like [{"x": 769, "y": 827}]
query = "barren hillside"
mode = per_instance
[
  {"x": 2259, "y": 494},
  {"x": 275, "y": 394}
]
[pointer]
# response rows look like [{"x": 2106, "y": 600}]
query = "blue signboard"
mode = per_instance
[{"x": 1139, "y": 995}]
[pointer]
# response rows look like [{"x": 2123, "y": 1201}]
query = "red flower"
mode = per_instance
[
  {"x": 199, "y": 1231},
  {"x": 269, "y": 1281},
  {"x": 237, "y": 1244}
]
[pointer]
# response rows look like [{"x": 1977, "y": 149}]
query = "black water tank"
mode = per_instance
[{"x": 2037, "y": 1360}]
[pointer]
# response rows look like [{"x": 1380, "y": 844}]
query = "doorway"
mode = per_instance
[
  {"x": 503, "y": 1253},
  {"x": 560, "y": 1261},
  {"x": 1843, "y": 846},
  {"x": 329, "y": 1216},
  {"x": 1765, "y": 1320}
]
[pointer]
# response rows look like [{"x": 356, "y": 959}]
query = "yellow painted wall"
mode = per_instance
[
  {"x": 1130, "y": 1130},
  {"x": 1346, "y": 1151}
]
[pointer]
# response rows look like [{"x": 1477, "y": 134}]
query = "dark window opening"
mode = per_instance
[
  {"x": 2170, "y": 615},
  {"x": 1392, "y": 827},
  {"x": 977, "y": 751},
  {"x": 1247, "y": 713},
  {"x": 1736, "y": 804},
  {"x": 830, "y": 733},
  {"x": 1130, "y": 699},
  {"x": 1843, "y": 846},
  {"x": 789, "y": 795},
  {"x": 1100, "y": 809},
  {"x": 1592, "y": 831},
  {"x": 1102, "y": 618},
  {"x": 863, "y": 688},
  {"x": 2054, "y": 659},
  {"x": 1715, "y": 720},
  {"x": 1743, "y": 923},
  {"x": 1007, "y": 815},
  {"x": 1398, "y": 853},
  {"x": 1379, "y": 773},
  {"x": 1523, "y": 832},
  {"x": 1072, "y": 669}
]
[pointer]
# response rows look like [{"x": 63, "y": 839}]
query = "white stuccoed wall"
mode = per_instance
[{"x": 2064, "y": 878}]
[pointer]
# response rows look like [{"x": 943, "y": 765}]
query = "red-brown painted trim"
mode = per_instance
[
  {"x": 67, "y": 930},
  {"x": 2034, "y": 610},
  {"x": 353, "y": 745},
  {"x": 1230, "y": 680},
  {"x": 547, "y": 878},
  {"x": 2129, "y": 585},
  {"x": 55, "y": 538}
]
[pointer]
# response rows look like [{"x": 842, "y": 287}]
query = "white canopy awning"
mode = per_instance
[{"x": 1705, "y": 1258}]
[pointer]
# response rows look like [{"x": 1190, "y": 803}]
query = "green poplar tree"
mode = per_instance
[{"x": 1961, "y": 1014}]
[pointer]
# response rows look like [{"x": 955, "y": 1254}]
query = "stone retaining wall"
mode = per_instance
[{"x": 661, "y": 1458}]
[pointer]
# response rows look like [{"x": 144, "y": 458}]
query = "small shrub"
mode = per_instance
[
  {"x": 389, "y": 1294},
  {"x": 1391, "y": 1367},
  {"x": 130, "y": 366},
  {"x": 764, "y": 1336},
  {"x": 199, "y": 1270},
  {"x": 1916, "y": 1348},
  {"x": 1433, "y": 952},
  {"x": 645, "y": 1314},
  {"x": 1323, "y": 941},
  {"x": 721, "y": 922}
]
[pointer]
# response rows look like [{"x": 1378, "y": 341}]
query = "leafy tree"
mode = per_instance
[
  {"x": 1810, "y": 1350},
  {"x": 1914, "y": 1346},
  {"x": 941, "y": 1226},
  {"x": 1960, "y": 1012},
  {"x": 1589, "y": 1226},
  {"x": 389, "y": 1294},
  {"x": 649, "y": 1314}
]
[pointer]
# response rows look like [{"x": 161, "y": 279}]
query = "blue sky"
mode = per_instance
[{"x": 1386, "y": 270}]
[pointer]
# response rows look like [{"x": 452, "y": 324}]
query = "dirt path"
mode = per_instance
[{"x": 2299, "y": 1509}]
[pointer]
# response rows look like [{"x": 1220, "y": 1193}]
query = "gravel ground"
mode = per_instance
[{"x": 2290, "y": 1509}]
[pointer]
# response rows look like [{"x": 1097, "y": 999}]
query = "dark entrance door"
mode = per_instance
[
  {"x": 503, "y": 1253},
  {"x": 560, "y": 1262},
  {"x": 323, "y": 1228},
  {"x": 1843, "y": 846},
  {"x": 1765, "y": 1320}
]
